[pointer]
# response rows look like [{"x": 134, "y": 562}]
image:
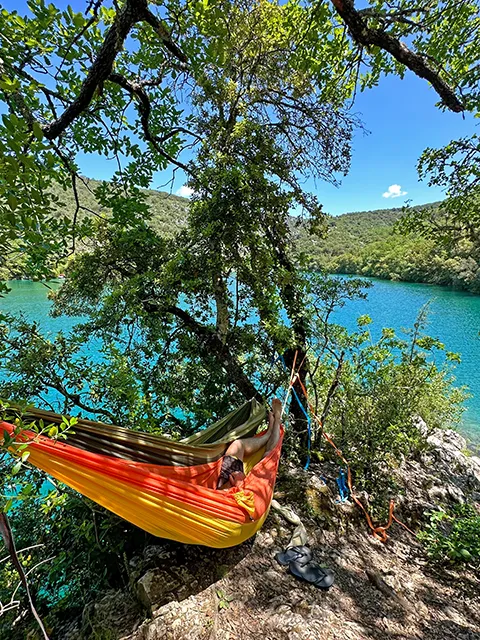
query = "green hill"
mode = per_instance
[
  {"x": 169, "y": 215},
  {"x": 367, "y": 244},
  {"x": 169, "y": 211},
  {"x": 363, "y": 243},
  {"x": 347, "y": 233}
]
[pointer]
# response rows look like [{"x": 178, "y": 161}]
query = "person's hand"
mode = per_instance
[{"x": 236, "y": 478}]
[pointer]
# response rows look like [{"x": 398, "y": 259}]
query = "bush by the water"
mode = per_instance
[
  {"x": 453, "y": 536},
  {"x": 384, "y": 385}
]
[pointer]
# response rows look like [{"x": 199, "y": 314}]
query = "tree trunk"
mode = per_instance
[
  {"x": 210, "y": 343},
  {"x": 296, "y": 411}
]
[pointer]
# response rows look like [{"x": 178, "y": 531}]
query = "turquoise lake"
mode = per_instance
[{"x": 454, "y": 319}]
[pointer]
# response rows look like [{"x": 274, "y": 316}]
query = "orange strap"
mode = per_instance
[{"x": 379, "y": 532}]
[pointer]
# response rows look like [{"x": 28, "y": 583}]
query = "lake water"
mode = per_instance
[{"x": 454, "y": 319}]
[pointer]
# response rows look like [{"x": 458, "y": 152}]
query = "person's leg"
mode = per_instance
[
  {"x": 277, "y": 421},
  {"x": 248, "y": 446}
]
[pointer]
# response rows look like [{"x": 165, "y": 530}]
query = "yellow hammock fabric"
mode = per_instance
[{"x": 167, "y": 488}]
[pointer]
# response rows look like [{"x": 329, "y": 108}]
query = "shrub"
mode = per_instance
[
  {"x": 382, "y": 385},
  {"x": 453, "y": 536}
]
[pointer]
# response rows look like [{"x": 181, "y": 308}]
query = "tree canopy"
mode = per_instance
[
  {"x": 128, "y": 81},
  {"x": 247, "y": 97}
]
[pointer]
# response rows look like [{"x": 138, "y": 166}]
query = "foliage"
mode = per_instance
[
  {"x": 383, "y": 384},
  {"x": 455, "y": 167},
  {"x": 58, "y": 103},
  {"x": 259, "y": 93},
  {"x": 79, "y": 549},
  {"x": 370, "y": 244},
  {"x": 453, "y": 536},
  {"x": 286, "y": 70},
  {"x": 35, "y": 88},
  {"x": 14, "y": 453},
  {"x": 261, "y": 119},
  {"x": 223, "y": 600},
  {"x": 364, "y": 243}
]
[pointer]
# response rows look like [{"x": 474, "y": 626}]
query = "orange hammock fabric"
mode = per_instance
[{"x": 175, "y": 502}]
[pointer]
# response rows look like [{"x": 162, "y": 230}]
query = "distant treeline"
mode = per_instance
[
  {"x": 368, "y": 244},
  {"x": 364, "y": 243}
]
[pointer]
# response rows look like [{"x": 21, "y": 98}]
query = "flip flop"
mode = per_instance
[
  {"x": 300, "y": 554},
  {"x": 312, "y": 573}
]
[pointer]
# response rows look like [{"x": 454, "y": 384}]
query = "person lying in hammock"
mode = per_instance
[{"x": 232, "y": 472}]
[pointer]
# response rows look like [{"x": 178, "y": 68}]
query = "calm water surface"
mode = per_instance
[{"x": 454, "y": 319}]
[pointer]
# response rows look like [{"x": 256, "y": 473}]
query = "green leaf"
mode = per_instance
[
  {"x": 364, "y": 320},
  {"x": 16, "y": 468},
  {"x": 12, "y": 201},
  {"x": 78, "y": 20},
  {"x": 37, "y": 131},
  {"x": 53, "y": 432}
]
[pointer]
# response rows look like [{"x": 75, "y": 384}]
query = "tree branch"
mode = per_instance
[
  {"x": 144, "y": 109},
  {"x": 332, "y": 389},
  {"x": 212, "y": 344},
  {"x": 75, "y": 398},
  {"x": 366, "y": 36},
  {"x": 163, "y": 34},
  {"x": 6, "y": 534},
  {"x": 132, "y": 12}
]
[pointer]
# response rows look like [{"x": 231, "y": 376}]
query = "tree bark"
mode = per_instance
[
  {"x": 132, "y": 12},
  {"x": 292, "y": 299},
  {"x": 223, "y": 316},
  {"x": 367, "y": 36},
  {"x": 7, "y": 536},
  {"x": 296, "y": 410},
  {"x": 210, "y": 343}
]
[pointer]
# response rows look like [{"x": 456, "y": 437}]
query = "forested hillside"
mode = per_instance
[
  {"x": 168, "y": 215},
  {"x": 367, "y": 243},
  {"x": 363, "y": 243},
  {"x": 168, "y": 211},
  {"x": 347, "y": 233}
]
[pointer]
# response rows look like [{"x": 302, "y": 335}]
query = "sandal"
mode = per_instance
[
  {"x": 300, "y": 554},
  {"x": 312, "y": 573}
]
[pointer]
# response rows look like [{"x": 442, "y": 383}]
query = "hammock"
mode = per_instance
[{"x": 164, "y": 487}]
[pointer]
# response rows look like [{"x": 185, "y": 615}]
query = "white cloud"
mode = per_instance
[
  {"x": 394, "y": 191},
  {"x": 184, "y": 191}
]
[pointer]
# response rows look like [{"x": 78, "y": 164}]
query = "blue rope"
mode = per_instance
[
  {"x": 342, "y": 485},
  {"x": 309, "y": 422}
]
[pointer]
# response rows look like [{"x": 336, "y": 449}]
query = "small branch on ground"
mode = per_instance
[{"x": 7, "y": 535}]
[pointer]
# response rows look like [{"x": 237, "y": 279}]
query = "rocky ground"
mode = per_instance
[{"x": 380, "y": 591}]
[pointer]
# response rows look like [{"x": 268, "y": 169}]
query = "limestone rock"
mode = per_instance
[
  {"x": 421, "y": 425},
  {"x": 191, "y": 618},
  {"x": 446, "y": 493},
  {"x": 319, "y": 498},
  {"x": 155, "y": 554},
  {"x": 156, "y": 587},
  {"x": 115, "y": 614}
]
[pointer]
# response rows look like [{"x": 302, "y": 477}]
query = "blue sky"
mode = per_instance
[{"x": 402, "y": 120}]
